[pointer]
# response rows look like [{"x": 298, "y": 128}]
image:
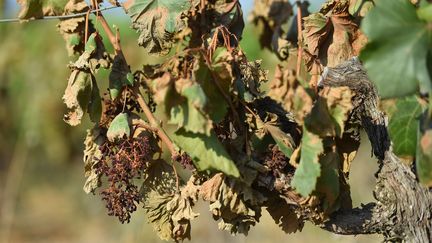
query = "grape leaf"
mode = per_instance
[
  {"x": 403, "y": 125},
  {"x": 119, "y": 127},
  {"x": 309, "y": 169},
  {"x": 216, "y": 106},
  {"x": 192, "y": 115},
  {"x": 95, "y": 105},
  {"x": 237, "y": 204},
  {"x": 328, "y": 182},
  {"x": 92, "y": 155},
  {"x": 206, "y": 152},
  {"x": 39, "y": 8},
  {"x": 77, "y": 96},
  {"x": 399, "y": 43},
  {"x": 119, "y": 76},
  {"x": 157, "y": 21}
]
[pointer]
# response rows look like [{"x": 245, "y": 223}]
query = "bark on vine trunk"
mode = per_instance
[
  {"x": 403, "y": 208},
  {"x": 402, "y": 211}
]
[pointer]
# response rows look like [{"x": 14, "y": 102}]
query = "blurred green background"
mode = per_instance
[{"x": 41, "y": 169}]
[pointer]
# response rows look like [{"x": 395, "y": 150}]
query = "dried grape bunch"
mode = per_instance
[{"x": 121, "y": 164}]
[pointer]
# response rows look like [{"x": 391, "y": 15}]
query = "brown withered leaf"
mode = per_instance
[
  {"x": 31, "y": 9},
  {"x": 317, "y": 28},
  {"x": 347, "y": 147},
  {"x": 92, "y": 156},
  {"x": 73, "y": 29},
  {"x": 169, "y": 211},
  {"x": 236, "y": 204},
  {"x": 180, "y": 208},
  {"x": 286, "y": 89},
  {"x": 333, "y": 35},
  {"x": 339, "y": 104},
  {"x": 209, "y": 190}
]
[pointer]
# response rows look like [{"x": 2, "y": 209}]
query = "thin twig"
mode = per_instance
[
  {"x": 153, "y": 122},
  {"x": 299, "y": 38}
]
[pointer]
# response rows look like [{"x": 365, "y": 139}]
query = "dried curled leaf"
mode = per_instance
[
  {"x": 332, "y": 35},
  {"x": 170, "y": 212},
  {"x": 73, "y": 29},
  {"x": 38, "y": 8},
  {"x": 77, "y": 96},
  {"x": 92, "y": 156},
  {"x": 286, "y": 89},
  {"x": 82, "y": 93},
  {"x": 157, "y": 21},
  {"x": 236, "y": 204},
  {"x": 252, "y": 76}
]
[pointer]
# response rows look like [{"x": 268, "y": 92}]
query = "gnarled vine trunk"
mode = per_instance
[{"x": 403, "y": 207}]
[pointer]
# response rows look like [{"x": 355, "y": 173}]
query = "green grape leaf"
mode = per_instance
[
  {"x": 190, "y": 115},
  {"x": 424, "y": 158},
  {"x": 95, "y": 105},
  {"x": 403, "y": 125},
  {"x": 328, "y": 182},
  {"x": 157, "y": 21},
  {"x": 207, "y": 152},
  {"x": 119, "y": 127},
  {"x": 216, "y": 106},
  {"x": 119, "y": 76},
  {"x": 309, "y": 169},
  {"x": 77, "y": 96},
  {"x": 395, "y": 57}
]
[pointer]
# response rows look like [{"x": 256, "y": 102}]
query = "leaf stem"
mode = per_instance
[{"x": 299, "y": 38}]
